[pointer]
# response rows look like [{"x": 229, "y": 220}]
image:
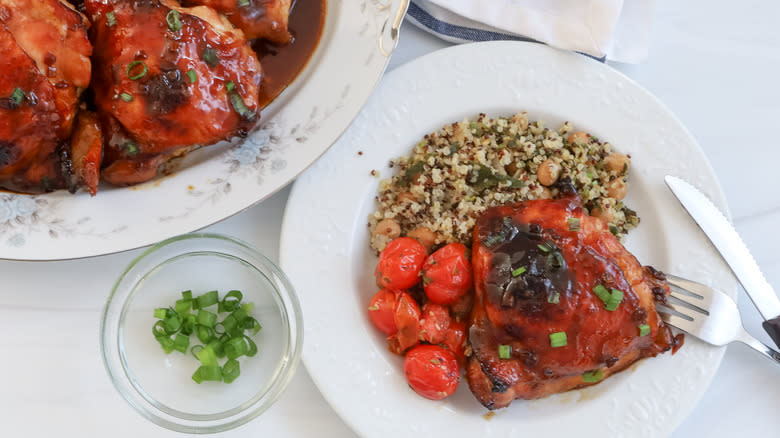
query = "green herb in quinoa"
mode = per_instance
[{"x": 454, "y": 174}]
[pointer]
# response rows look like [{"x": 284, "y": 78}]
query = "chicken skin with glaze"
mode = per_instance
[
  {"x": 560, "y": 303},
  {"x": 167, "y": 79},
  {"x": 44, "y": 57},
  {"x": 265, "y": 19}
]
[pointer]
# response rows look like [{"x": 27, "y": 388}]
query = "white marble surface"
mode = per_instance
[{"x": 713, "y": 63}]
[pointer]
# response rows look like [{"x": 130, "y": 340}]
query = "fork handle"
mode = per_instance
[{"x": 759, "y": 346}]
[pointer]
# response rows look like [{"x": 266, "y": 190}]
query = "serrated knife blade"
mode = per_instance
[{"x": 733, "y": 250}]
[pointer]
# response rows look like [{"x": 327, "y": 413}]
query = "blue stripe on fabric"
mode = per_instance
[{"x": 467, "y": 33}]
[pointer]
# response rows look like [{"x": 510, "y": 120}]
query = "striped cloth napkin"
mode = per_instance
[{"x": 617, "y": 30}]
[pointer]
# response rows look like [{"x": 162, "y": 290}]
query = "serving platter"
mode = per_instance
[
  {"x": 324, "y": 243},
  {"x": 217, "y": 182}
]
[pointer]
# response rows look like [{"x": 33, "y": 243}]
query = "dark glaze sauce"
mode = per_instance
[{"x": 282, "y": 64}]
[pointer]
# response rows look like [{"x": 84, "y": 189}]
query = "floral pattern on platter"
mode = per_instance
[{"x": 23, "y": 214}]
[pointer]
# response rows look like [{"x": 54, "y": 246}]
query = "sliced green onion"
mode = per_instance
[
  {"x": 504, "y": 351},
  {"x": 183, "y": 306},
  {"x": 127, "y": 97},
  {"x": 231, "y": 370},
  {"x": 172, "y": 323},
  {"x": 592, "y": 376},
  {"x": 17, "y": 95},
  {"x": 195, "y": 349},
  {"x": 208, "y": 299},
  {"x": 218, "y": 347},
  {"x": 110, "y": 19},
  {"x": 238, "y": 104},
  {"x": 232, "y": 300},
  {"x": 492, "y": 240},
  {"x": 188, "y": 325},
  {"x": 230, "y": 85},
  {"x": 160, "y": 313},
  {"x": 204, "y": 334},
  {"x": 614, "y": 230},
  {"x": 207, "y": 372},
  {"x": 174, "y": 20},
  {"x": 240, "y": 315},
  {"x": 181, "y": 343},
  {"x": 251, "y": 324},
  {"x": 207, "y": 356},
  {"x": 236, "y": 347},
  {"x": 192, "y": 75},
  {"x": 614, "y": 300},
  {"x": 574, "y": 224},
  {"x": 186, "y": 295},
  {"x": 554, "y": 298},
  {"x": 248, "y": 307},
  {"x": 558, "y": 339},
  {"x": 131, "y": 148},
  {"x": 543, "y": 247},
  {"x": 243, "y": 2},
  {"x": 131, "y": 66},
  {"x": 210, "y": 57},
  {"x": 602, "y": 293},
  {"x": 217, "y": 327},
  {"x": 518, "y": 272},
  {"x": 166, "y": 343},
  {"x": 252, "y": 347},
  {"x": 229, "y": 323},
  {"x": 158, "y": 329},
  {"x": 206, "y": 318},
  {"x": 644, "y": 330}
]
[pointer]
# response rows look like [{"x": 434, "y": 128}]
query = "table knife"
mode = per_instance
[{"x": 731, "y": 247}]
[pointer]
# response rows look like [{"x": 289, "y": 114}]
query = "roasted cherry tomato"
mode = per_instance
[
  {"x": 381, "y": 311},
  {"x": 435, "y": 322},
  {"x": 432, "y": 371},
  {"x": 407, "y": 321},
  {"x": 399, "y": 264},
  {"x": 455, "y": 340},
  {"x": 447, "y": 274}
]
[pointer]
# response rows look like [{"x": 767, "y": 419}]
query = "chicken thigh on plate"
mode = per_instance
[
  {"x": 264, "y": 19},
  {"x": 44, "y": 57},
  {"x": 167, "y": 79}
]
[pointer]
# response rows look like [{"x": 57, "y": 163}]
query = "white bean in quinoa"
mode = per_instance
[{"x": 454, "y": 174}]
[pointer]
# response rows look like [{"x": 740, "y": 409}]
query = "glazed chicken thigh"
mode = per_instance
[
  {"x": 167, "y": 79},
  {"x": 46, "y": 66},
  {"x": 266, "y": 19},
  {"x": 570, "y": 302}
]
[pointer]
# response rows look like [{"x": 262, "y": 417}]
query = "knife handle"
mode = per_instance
[{"x": 772, "y": 326}]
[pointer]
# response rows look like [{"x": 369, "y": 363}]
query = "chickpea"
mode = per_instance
[
  {"x": 616, "y": 189},
  {"x": 548, "y": 172},
  {"x": 579, "y": 137},
  {"x": 406, "y": 197},
  {"x": 602, "y": 213},
  {"x": 388, "y": 228},
  {"x": 511, "y": 168},
  {"x": 617, "y": 163},
  {"x": 425, "y": 236}
]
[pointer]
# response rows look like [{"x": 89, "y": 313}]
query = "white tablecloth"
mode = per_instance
[{"x": 714, "y": 63}]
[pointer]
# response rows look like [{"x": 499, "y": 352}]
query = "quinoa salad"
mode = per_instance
[{"x": 452, "y": 175}]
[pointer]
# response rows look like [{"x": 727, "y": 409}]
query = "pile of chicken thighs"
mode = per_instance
[{"x": 114, "y": 89}]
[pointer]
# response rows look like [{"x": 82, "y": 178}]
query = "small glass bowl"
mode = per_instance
[{"x": 160, "y": 385}]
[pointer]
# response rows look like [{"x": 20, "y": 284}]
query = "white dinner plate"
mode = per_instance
[
  {"x": 324, "y": 243},
  {"x": 219, "y": 181}
]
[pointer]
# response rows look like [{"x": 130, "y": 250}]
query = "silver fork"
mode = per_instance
[{"x": 708, "y": 314}]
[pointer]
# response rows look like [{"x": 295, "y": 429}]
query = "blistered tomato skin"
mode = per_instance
[
  {"x": 381, "y": 311},
  {"x": 435, "y": 322},
  {"x": 407, "y": 321},
  {"x": 400, "y": 264},
  {"x": 432, "y": 371},
  {"x": 447, "y": 274},
  {"x": 455, "y": 340}
]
